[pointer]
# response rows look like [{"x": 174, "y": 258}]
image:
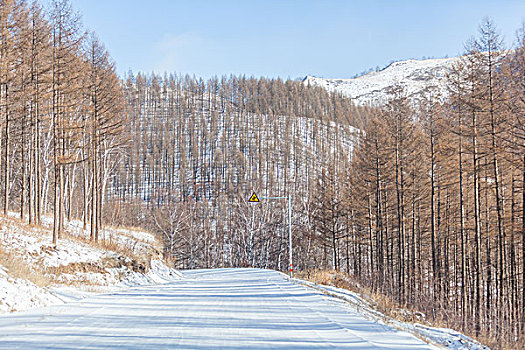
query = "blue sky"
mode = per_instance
[{"x": 286, "y": 38}]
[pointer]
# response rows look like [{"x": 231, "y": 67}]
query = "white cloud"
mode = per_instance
[{"x": 185, "y": 52}]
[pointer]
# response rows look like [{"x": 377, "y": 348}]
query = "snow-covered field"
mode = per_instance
[
  {"x": 34, "y": 273},
  {"x": 208, "y": 309},
  {"x": 374, "y": 88}
]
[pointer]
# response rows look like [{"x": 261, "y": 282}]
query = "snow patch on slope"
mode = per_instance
[
  {"x": 18, "y": 294},
  {"x": 75, "y": 267},
  {"x": 374, "y": 88}
]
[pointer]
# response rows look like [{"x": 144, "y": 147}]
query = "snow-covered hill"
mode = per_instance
[{"x": 374, "y": 88}]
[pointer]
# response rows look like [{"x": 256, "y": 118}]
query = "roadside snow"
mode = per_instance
[
  {"x": 445, "y": 337},
  {"x": 19, "y": 294},
  {"x": 158, "y": 274}
]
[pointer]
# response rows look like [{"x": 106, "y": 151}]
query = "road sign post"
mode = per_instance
[
  {"x": 254, "y": 198},
  {"x": 290, "y": 234}
]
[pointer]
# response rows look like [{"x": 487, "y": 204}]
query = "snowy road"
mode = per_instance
[{"x": 209, "y": 309}]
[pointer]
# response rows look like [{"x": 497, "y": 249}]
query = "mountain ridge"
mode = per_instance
[{"x": 374, "y": 87}]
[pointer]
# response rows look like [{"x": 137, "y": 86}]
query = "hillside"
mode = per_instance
[
  {"x": 202, "y": 155},
  {"x": 35, "y": 273},
  {"x": 374, "y": 88}
]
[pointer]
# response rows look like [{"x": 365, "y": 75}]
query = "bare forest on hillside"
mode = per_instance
[
  {"x": 420, "y": 200},
  {"x": 61, "y": 106}
]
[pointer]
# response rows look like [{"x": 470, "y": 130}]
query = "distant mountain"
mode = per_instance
[{"x": 373, "y": 88}]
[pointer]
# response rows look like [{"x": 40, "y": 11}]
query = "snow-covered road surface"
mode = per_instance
[{"x": 209, "y": 309}]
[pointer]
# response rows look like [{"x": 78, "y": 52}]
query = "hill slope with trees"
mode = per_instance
[{"x": 419, "y": 200}]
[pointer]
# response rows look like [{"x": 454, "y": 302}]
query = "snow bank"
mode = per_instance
[
  {"x": 445, "y": 337},
  {"x": 19, "y": 294},
  {"x": 75, "y": 267}
]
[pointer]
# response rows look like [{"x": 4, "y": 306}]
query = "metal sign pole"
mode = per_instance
[{"x": 290, "y": 234}]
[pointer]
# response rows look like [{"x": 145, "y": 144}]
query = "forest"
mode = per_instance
[{"x": 421, "y": 199}]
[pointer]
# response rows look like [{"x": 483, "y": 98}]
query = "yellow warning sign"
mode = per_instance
[{"x": 253, "y": 198}]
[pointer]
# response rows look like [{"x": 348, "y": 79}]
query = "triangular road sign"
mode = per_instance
[{"x": 253, "y": 198}]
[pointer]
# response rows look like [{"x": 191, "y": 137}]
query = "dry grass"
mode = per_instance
[
  {"x": 494, "y": 343},
  {"x": 19, "y": 268},
  {"x": 128, "y": 232},
  {"x": 381, "y": 302},
  {"x": 139, "y": 262}
]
